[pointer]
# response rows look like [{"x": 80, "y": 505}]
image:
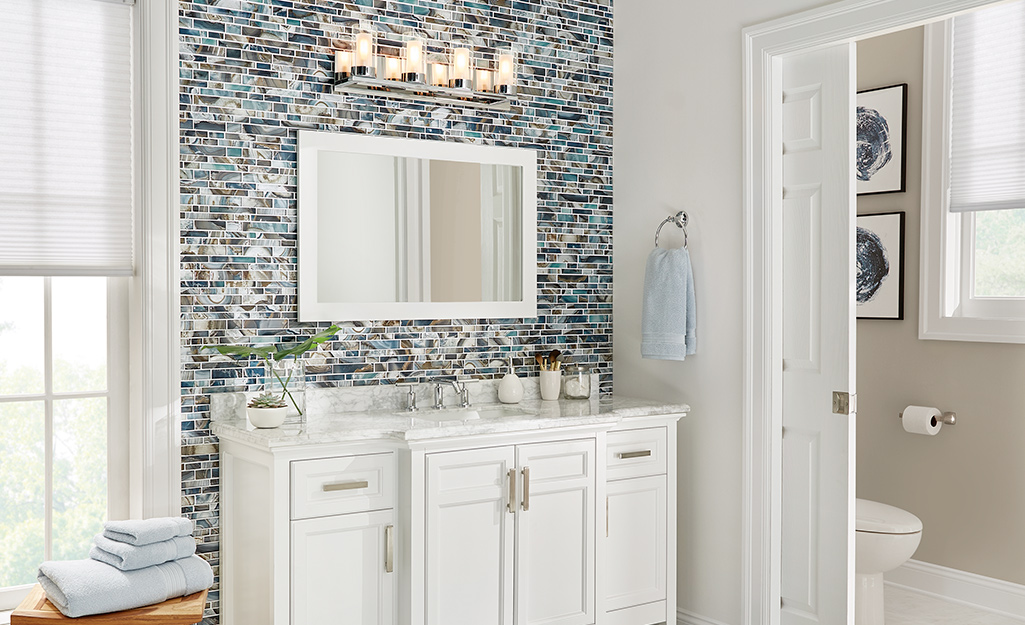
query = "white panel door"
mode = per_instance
[
  {"x": 817, "y": 548},
  {"x": 635, "y": 547},
  {"x": 469, "y": 548},
  {"x": 555, "y": 534},
  {"x": 339, "y": 570}
]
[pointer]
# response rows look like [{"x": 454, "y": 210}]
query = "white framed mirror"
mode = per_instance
[{"x": 397, "y": 229}]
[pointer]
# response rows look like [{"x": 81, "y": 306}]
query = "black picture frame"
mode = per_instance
[
  {"x": 882, "y": 291},
  {"x": 878, "y": 111}
]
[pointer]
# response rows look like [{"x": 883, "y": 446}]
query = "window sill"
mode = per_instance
[{"x": 972, "y": 329}]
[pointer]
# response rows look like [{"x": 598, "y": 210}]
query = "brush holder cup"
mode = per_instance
[{"x": 551, "y": 382}]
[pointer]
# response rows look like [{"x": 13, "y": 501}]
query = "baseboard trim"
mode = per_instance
[
  {"x": 686, "y": 617},
  {"x": 985, "y": 593}
]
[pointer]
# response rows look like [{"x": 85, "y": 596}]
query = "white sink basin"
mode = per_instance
[
  {"x": 446, "y": 416},
  {"x": 464, "y": 415}
]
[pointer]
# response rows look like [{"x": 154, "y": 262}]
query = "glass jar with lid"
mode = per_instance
[{"x": 576, "y": 382}]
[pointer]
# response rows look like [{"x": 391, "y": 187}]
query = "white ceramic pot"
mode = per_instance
[
  {"x": 551, "y": 381},
  {"x": 267, "y": 417}
]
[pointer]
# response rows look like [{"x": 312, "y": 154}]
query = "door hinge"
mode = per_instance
[{"x": 844, "y": 403}]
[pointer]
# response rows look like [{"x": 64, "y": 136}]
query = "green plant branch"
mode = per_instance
[{"x": 268, "y": 353}]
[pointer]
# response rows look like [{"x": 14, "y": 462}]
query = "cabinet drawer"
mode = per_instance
[
  {"x": 635, "y": 453},
  {"x": 341, "y": 485}
]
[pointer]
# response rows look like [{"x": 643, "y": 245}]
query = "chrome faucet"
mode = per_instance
[{"x": 458, "y": 387}]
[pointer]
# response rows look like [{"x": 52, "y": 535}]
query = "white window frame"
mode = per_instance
[
  {"x": 117, "y": 396},
  {"x": 949, "y": 310},
  {"x": 149, "y": 302}
]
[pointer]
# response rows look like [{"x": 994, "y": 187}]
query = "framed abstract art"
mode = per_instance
[
  {"x": 881, "y": 157},
  {"x": 880, "y": 257}
]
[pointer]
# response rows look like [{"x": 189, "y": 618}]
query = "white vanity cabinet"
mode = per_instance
[
  {"x": 556, "y": 519},
  {"x": 309, "y": 535},
  {"x": 343, "y": 540},
  {"x": 640, "y": 525},
  {"x": 510, "y": 535}
]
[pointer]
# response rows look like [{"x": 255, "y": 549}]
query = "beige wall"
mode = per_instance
[
  {"x": 455, "y": 232},
  {"x": 967, "y": 483},
  {"x": 678, "y": 128}
]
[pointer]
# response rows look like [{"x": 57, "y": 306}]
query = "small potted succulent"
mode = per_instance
[{"x": 267, "y": 410}]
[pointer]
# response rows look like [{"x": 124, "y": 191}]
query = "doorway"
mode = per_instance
[{"x": 766, "y": 48}]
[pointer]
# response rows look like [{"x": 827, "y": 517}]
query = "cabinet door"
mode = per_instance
[
  {"x": 635, "y": 569},
  {"x": 555, "y": 533},
  {"x": 469, "y": 548},
  {"x": 340, "y": 570}
]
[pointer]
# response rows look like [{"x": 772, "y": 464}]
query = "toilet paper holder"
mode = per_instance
[{"x": 947, "y": 418}]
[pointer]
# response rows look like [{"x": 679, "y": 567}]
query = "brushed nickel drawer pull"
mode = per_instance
[
  {"x": 511, "y": 504},
  {"x": 526, "y": 488},
  {"x": 634, "y": 454},
  {"x": 389, "y": 548},
  {"x": 346, "y": 486}
]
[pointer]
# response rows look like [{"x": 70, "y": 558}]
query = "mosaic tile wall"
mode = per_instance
[{"x": 254, "y": 71}]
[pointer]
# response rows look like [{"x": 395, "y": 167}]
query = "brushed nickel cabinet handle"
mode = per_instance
[
  {"x": 634, "y": 454},
  {"x": 526, "y": 488},
  {"x": 345, "y": 486},
  {"x": 511, "y": 504},
  {"x": 606, "y": 517},
  {"x": 389, "y": 548}
]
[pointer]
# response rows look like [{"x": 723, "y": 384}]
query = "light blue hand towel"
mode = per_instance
[
  {"x": 130, "y": 557},
  {"x": 137, "y": 532},
  {"x": 668, "y": 308},
  {"x": 84, "y": 587}
]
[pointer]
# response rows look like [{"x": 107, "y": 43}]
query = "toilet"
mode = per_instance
[{"x": 885, "y": 538}]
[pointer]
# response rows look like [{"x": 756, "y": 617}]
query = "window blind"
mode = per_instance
[
  {"x": 65, "y": 138},
  {"x": 987, "y": 139}
]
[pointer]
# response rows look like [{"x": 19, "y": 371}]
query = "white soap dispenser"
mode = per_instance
[{"x": 510, "y": 389}]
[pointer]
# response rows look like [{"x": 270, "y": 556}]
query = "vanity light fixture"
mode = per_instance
[
  {"x": 392, "y": 68},
  {"x": 343, "y": 65},
  {"x": 363, "y": 53},
  {"x": 414, "y": 59},
  {"x": 412, "y": 73},
  {"x": 461, "y": 72},
  {"x": 439, "y": 71},
  {"x": 505, "y": 80},
  {"x": 485, "y": 81}
]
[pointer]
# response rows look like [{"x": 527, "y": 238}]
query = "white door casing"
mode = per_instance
[
  {"x": 765, "y": 47},
  {"x": 817, "y": 513},
  {"x": 555, "y": 547}
]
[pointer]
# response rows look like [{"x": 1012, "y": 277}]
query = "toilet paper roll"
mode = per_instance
[{"x": 922, "y": 420}]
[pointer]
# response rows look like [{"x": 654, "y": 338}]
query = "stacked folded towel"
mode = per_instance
[{"x": 132, "y": 564}]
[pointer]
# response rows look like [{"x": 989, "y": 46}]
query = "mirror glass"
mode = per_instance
[
  {"x": 429, "y": 230},
  {"x": 393, "y": 228}
]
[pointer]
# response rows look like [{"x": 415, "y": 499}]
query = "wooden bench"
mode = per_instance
[{"x": 36, "y": 609}]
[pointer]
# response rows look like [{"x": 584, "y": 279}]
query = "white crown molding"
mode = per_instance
[{"x": 985, "y": 593}]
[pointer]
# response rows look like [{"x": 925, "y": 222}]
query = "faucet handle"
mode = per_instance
[
  {"x": 464, "y": 391},
  {"x": 410, "y": 395}
]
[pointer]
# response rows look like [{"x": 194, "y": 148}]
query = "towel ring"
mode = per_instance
[{"x": 680, "y": 219}]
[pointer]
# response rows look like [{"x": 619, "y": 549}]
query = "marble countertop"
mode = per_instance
[{"x": 425, "y": 424}]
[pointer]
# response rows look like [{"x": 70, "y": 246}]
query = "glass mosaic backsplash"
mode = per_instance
[{"x": 252, "y": 73}]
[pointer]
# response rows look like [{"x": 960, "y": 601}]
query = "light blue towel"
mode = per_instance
[
  {"x": 668, "y": 309},
  {"x": 84, "y": 587},
  {"x": 138, "y": 532},
  {"x": 130, "y": 557}
]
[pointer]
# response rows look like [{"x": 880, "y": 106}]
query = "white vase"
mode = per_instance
[
  {"x": 551, "y": 381},
  {"x": 267, "y": 417}
]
